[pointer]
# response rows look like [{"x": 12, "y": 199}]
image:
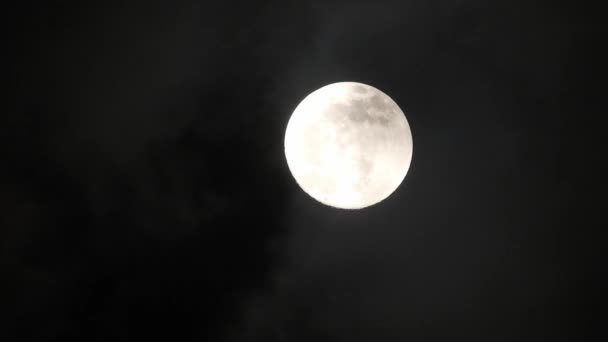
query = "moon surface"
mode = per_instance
[{"x": 348, "y": 145}]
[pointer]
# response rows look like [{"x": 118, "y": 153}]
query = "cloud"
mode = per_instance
[{"x": 144, "y": 190}]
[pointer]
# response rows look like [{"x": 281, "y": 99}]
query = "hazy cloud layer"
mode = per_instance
[{"x": 144, "y": 191}]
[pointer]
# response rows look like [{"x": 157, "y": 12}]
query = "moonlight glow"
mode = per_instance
[{"x": 348, "y": 145}]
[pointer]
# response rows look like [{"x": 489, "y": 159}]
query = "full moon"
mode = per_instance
[{"x": 348, "y": 145}]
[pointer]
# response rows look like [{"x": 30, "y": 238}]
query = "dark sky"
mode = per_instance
[{"x": 145, "y": 194}]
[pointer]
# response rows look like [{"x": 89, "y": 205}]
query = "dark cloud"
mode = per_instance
[{"x": 144, "y": 192}]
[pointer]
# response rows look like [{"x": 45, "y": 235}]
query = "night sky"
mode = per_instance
[{"x": 145, "y": 195}]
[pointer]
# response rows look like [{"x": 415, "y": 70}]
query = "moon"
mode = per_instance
[{"x": 348, "y": 145}]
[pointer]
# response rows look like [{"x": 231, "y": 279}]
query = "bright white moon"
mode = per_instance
[{"x": 348, "y": 145}]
